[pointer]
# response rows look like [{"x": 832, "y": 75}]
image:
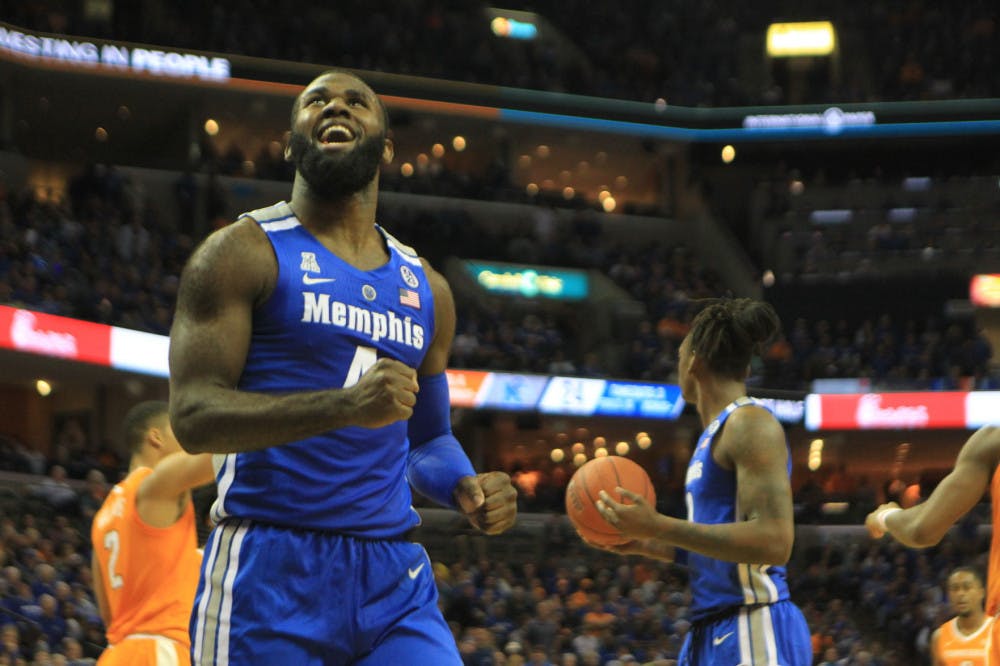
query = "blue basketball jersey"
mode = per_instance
[
  {"x": 710, "y": 491},
  {"x": 324, "y": 325}
]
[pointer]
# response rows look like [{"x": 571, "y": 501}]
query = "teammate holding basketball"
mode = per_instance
[
  {"x": 739, "y": 531},
  {"x": 309, "y": 346},
  {"x": 965, "y": 639},
  {"x": 146, "y": 558}
]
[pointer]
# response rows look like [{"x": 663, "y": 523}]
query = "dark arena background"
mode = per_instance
[{"x": 581, "y": 172}]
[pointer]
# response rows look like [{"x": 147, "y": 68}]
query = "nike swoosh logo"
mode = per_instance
[
  {"x": 311, "y": 280},
  {"x": 412, "y": 573},
  {"x": 719, "y": 640}
]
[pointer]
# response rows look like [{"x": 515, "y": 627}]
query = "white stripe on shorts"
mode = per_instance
[
  {"x": 206, "y": 592},
  {"x": 758, "y": 646},
  {"x": 226, "y": 612}
]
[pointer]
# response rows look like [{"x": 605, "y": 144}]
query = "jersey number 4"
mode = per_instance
[{"x": 364, "y": 358}]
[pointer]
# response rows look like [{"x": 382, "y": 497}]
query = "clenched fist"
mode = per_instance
[
  {"x": 488, "y": 500},
  {"x": 386, "y": 393}
]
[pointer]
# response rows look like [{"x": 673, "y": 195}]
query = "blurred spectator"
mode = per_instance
[
  {"x": 55, "y": 490},
  {"x": 97, "y": 489}
]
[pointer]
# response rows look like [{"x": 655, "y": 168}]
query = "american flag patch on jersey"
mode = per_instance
[{"x": 409, "y": 297}]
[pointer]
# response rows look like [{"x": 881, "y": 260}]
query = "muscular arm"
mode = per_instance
[
  {"x": 754, "y": 443},
  {"x": 436, "y": 359},
  {"x": 925, "y": 524},
  {"x": 98, "y": 581},
  {"x": 230, "y": 274},
  {"x": 164, "y": 494},
  {"x": 437, "y": 465}
]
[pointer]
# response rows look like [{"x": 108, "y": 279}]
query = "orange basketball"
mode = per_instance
[{"x": 606, "y": 474}]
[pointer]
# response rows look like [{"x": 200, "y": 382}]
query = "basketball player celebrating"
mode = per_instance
[
  {"x": 146, "y": 558},
  {"x": 739, "y": 531},
  {"x": 309, "y": 346},
  {"x": 963, "y": 640}
]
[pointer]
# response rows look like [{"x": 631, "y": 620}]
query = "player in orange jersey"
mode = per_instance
[
  {"x": 964, "y": 640},
  {"x": 146, "y": 559},
  {"x": 977, "y": 470}
]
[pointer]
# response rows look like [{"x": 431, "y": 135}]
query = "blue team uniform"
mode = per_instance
[
  {"x": 309, "y": 564},
  {"x": 741, "y": 611}
]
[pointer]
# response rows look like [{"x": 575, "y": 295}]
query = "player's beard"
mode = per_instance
[{"x": 337, "y": 175}]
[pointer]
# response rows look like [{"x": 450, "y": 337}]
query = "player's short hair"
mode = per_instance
[
  {"x": 139, "y": 420},
  {"x": 726, "y": 332},
  {"x": 336, "y": 70},
  {"x": 972, "y": 571}
]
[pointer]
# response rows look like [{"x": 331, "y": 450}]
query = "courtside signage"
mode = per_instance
[
  {"x": 465, "y": 386},
  {"x": 982, "y": 408},
  {"x": 511, "y": 392},
  {"x": 641, "y": 400},
  {"x": 600, "y": 397},
  {"x": 887, "y": 411},
  {"x": 784, "y": 409},
  {"x": 572, "y": 395},
  {"x": 59, "y": 337},
  {"x": 118, "y": 56}
]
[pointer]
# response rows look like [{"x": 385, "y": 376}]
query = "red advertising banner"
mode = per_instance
[
  {"x": 464, "y": 385},
  {"x": 49, "y": 335},
  {"x": 893, "y": 411}
]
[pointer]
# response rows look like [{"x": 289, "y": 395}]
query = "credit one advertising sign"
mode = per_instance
[{"x": 902, "y": 411}]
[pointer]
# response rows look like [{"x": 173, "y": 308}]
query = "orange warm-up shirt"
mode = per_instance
[
  {"x": 956, "y": 649},
  {"x": 149, "y": 574}
]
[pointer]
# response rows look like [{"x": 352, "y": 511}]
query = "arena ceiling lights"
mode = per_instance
[{"x": 790, "y": 40}]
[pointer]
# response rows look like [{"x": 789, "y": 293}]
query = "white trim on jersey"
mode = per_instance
[
  {"x": 406, "y": 253},
  {"x": 280, "y": 225},
  {"x": 166, "y": 652},
  {"x": 987, "y": 623},
  {"x": 748, "y": 595},
  {"x": 772, "y": 589},
  {"x": 227, "y": 464}
]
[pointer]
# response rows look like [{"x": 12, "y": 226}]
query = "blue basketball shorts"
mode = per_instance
[
  {"x": 274, "y": 595},
  {"x": 767, "y": 635}
]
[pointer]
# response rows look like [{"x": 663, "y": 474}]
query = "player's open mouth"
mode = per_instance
[{"x": 336, "y": 134}]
